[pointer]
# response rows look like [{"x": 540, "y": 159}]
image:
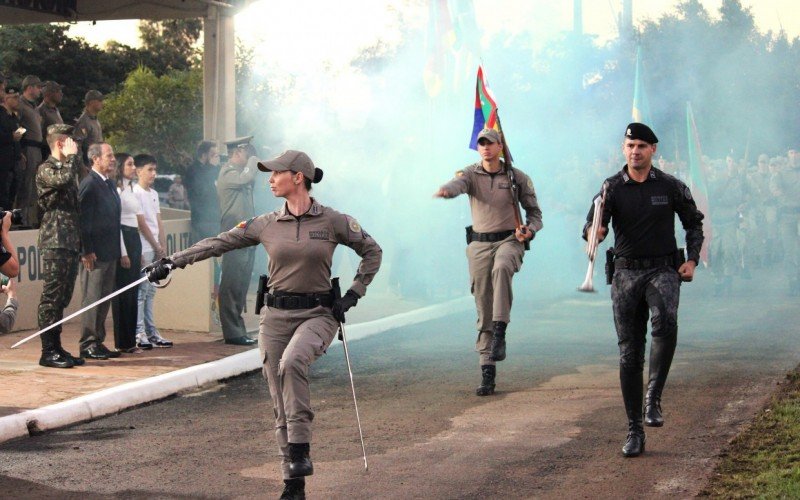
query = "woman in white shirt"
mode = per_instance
[{"x": 125, "y": 307}]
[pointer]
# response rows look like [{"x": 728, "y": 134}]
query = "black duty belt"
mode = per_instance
[
  {"x": 491, "y": 237},
  {"x": 128, "y": 229},
  {"x": 287, "y": 300},
  {"x": 644, "y": 263}
]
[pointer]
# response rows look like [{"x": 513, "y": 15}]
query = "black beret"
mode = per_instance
[{"x": 641, "y": 132}]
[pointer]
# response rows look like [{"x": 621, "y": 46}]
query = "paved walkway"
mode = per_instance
[{"x": 28, "y": 386}]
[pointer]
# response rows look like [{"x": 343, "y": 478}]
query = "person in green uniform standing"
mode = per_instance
[{"x": 235, "y": 192}]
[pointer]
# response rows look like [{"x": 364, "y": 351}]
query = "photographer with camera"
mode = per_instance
[{"x": 9, "y": 313}]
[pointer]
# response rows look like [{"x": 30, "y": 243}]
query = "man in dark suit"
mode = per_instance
[
  {"x": 10, "y": 149},
  {"x": 100, "y": 239}
]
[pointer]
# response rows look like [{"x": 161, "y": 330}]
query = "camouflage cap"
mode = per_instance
[
  {"x": 489, "y": 134},
  {"x": 296, "y": 161},
  {"x": 31, "y": 80},
  {"x": 51, "y": 87},
  {"x": 93, "y": 95},
  {"x": 59, "y": 128},
  {"x": 238, "y": 142}
]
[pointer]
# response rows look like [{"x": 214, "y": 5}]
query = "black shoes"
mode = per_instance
[
  {"x": 652, "y": 413},
  {"x": 94, "y": 352},
  {"x": 75, "y": 361},
  {"x": 634, "y": 444},
  {"x": 111, "y": 353},
  {"x": 300, "y": 464},
  {"x": 487, "y": 383},
  {"x": 294, "y": 489},
  {"x": 241, "y": 341},
  {"x": 54, "y": 359},
  {"x": 498, "y": 345}
]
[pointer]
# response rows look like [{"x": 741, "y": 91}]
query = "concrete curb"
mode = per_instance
[{"x": 121, "y": 397}]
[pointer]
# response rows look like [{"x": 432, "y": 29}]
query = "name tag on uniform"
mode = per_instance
[
  {"x": 659, "y": 200},
  {"x": 318, "y": 235},
  {"x": 504, "y": 185}
]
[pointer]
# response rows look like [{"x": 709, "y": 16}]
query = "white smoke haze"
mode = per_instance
[{"x": 345, "y": 82}]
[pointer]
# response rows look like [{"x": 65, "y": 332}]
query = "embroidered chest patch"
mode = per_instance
[
  {"x": 318, "y": 235},
  {"x": 659, "y": 200}
]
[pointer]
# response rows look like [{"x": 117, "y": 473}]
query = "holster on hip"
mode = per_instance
[
  {"x": 261, "y": 293},
  {"x": 336, "y": 290},
  {"x": 469, "y": 231},
  {"x": 610, "y": 265}
]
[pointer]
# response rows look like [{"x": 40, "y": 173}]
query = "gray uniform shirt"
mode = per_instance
[
  {"x": 50, "y": 116},
  {"x": 490, "y": 198},
  {"x": 785, "y": 185},
  {"x": 88, "y": 130},
  {"x": 235, "y": 192},
  {"x": 300, "y": 249},
  {"x": 8, "y": 315},
  {"x": 30, "y": 118}
]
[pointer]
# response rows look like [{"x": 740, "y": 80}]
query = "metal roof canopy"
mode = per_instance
[{"x": 219, "y": 94}]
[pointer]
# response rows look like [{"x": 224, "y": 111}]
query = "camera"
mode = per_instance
[{"x": 16, "y": 215}]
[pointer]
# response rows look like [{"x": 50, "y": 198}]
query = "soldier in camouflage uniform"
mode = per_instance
[
  {"x": 728, "y": 194},
  {"x": 641, "y": 203},
  {"x": 785, "y": 185},
  {"x": 235, "y": 190},
  {"x": 59, "y": 240}
]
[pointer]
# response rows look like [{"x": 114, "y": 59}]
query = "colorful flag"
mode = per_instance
[
  {"x": 641, "y": 108},
  {"x": 440, "y": 36},
  {"x": 697, "y": 180},
  {"x": 485, "y": 110}
]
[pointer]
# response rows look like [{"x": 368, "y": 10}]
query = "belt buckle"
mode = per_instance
[{"x": 292, "y": 302}]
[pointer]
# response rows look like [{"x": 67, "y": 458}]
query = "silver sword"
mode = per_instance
[
  {"x": 78, "y": 313},
  {"x": 353, "y": 389}
]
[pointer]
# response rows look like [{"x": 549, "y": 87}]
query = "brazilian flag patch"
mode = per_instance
[{"x": 244, "y": 223}]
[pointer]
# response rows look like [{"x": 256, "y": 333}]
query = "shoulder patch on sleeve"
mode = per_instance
[
  {"x": 354, "y": 225},
  {"x": 687, "y": 193},
  {"x": 245, "y": 223},
  {"x": 530, "y": 183},
  {"x": 459, "y": 173}
]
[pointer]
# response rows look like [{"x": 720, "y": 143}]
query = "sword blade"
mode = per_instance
[
  {"x": 81, "y": 311},
  {"x": 353, "y": 389}
]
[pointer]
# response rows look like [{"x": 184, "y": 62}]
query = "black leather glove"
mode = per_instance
[
  {"x": 343, "y": 304},
  {"x": 158, "y": 270}
]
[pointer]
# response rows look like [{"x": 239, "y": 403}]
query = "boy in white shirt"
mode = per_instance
[{"x": 153, "y": 238}]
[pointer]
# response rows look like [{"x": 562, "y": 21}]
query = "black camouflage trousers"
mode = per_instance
[
  {"x": 639, "y": 294},
  {"x": 59, "y": 271}
]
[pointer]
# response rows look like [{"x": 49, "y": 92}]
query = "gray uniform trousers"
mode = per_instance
[
  {"x": 26, "y": 189},
  {"x": 237, "y": 267},
  {"x": 491, "y": 267},
  {"x": 96, "y": 284},
  {"x": 289, "y": 341},
  {"x": 635, "y": 295}
]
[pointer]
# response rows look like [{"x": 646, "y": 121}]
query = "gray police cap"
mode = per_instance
[{"x": 296, "y": 161}]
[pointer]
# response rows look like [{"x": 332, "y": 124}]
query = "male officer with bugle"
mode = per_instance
[
  {"x": 647, "y": 269},
  {"x": 496, "y": 242}
]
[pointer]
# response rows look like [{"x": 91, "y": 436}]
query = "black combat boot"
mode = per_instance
[
  {"x": 51, "y": 356},
  {"x": 632, "y": 388},
  {"x": 498, "y": 344},
  {"x": 300, "y": 461},
  {"x": 64, "y": 352},
  {"x": 661, "y": 352},
  {"x": 294, "y": 489},
  {"x": 487, "y": 383}
]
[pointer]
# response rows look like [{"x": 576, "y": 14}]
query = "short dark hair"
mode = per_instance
[
  {"x": 143, "y": 159},
  {"x": 203, "y": 147}
]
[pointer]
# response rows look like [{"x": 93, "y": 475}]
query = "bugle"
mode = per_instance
[{"x": 593, "y": 240}]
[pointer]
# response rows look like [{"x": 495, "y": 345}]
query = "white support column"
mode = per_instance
[{"x": 219, "y": 84}]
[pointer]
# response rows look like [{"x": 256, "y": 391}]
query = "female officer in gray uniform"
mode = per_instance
[{"x": 300, "y": 316}]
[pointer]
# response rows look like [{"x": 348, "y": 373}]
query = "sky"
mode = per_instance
[{"x": 544, "y": 16}]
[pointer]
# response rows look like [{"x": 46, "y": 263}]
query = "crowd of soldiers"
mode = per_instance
[
  {"x": 26, "y": 113},
  {"x": 754, "y": 213}
]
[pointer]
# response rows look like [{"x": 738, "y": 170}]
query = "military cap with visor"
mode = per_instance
[
  {"x": 51, "y": 87},
  {"x": 296, "y": 161},
  {"x": 490, "y": 135},
  {"x": 239, "y": 142},
  {"x": 31, "y": 80},
  {"x": 12, "y": 92},
  {"x": 93, "y": 95},
  {"x": 641, "y": 132}
]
